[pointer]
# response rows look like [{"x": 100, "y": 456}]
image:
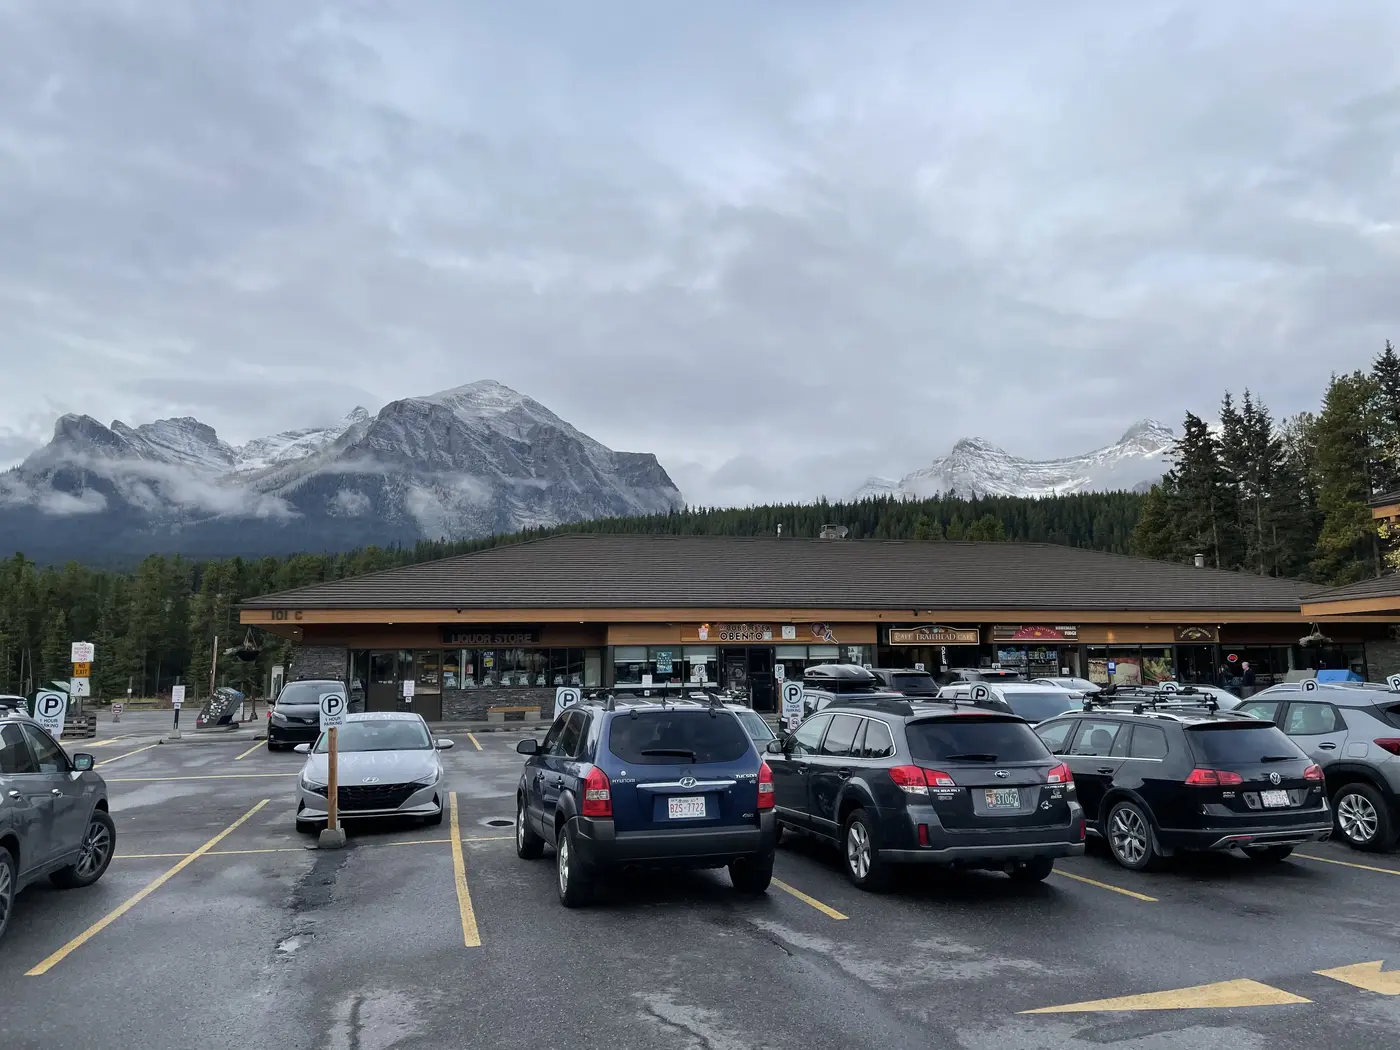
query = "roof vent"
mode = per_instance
[
  {"x": 1200, "y": 561},
  {"x": 833, "y": 532}
]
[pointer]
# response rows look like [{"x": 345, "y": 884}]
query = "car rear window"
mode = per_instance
[
  {"x": 1039, "y": 705},
  {"x": 307, "y": 693},
  {"x": 754, "y": 724},
  {"x": 1392, "y": 714},
  {"x": 915, "y": 682},
  {"x": 1220, "y": 746},
  {"x": 943, "y": 739},
  {"x": 676, "y": 737}
]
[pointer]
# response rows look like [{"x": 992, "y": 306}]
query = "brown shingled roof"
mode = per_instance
[
  {"x": 633, "y": 571},
  {"x": 1379, "y": 587}
]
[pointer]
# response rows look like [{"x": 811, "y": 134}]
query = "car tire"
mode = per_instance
[
  {"x": 9, "y": 883},
  {"x": 1268, "y": 854},
  {"x": 751, "y": 875},
  {"x": 1131, "y": 839},
  {"x": 860, "y": 854},
  {"x": 1037, "y": 869},
  {"x": 99, "y": 844},
  {"x": 528, "y": 845},
  {"x": 1362, "y": 818},
  {"x": 573, "y": 878}
]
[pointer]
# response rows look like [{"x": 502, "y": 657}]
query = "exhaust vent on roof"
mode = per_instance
[
  {"x": 1200, "y": 560},
  {"x": 833, "y": 532}
]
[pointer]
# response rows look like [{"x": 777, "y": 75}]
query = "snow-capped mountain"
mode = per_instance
[
  {"x": 471, "y": 461},
  {"x": 977, "y": 467}
]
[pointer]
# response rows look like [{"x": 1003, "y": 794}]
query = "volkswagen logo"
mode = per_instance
[
  {"x": 370, "y": 780},
  {"x": 687, "y": 782},
  {"x": 1001, "y": 774},
  {"x": 1274, "y": 778}
]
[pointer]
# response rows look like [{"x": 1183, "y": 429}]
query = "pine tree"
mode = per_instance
[
  {"x": 1205, "y": 514},
  {"x": 56, "y": 649},
  {"x": 1262, "y": 471},
  {"x": 1233, "y": 447},
  {"x": 1348, "y": 547},
  {"x": 1156, "y": 534},
  {"x": 1385, "y": 374}
]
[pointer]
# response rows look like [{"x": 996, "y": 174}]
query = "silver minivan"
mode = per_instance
[{"x": 53, "y": 814}]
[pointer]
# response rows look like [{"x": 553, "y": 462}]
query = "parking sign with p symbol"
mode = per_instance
[{"x": 332, "y": 710}]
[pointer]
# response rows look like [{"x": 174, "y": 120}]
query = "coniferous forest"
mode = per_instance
[{"x": 1281, "y": 498}]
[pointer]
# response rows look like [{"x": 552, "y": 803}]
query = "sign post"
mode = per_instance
[
  {"x": 332, "y": 718},
  {"x": 50, "y": 710},
  {"x": 177, "y": 700}
]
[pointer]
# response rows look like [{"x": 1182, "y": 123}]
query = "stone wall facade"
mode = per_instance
[
  {"x": 1382, "y": 658},
  {"x": 318, "y": 661},
  {"x": 465, "y": 705}
]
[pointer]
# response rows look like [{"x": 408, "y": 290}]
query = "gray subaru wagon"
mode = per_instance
[{"x": 53, "y": 814}]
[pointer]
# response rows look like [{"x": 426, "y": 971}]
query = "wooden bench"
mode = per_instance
[{"x": 522, "y": 713}]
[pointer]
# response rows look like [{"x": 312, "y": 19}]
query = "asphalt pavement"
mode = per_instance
[{"x": 217, "y": 926}]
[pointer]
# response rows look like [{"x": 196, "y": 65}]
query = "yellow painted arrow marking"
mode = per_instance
[
  {"x": 1367, "y": 975},
  {"x": 1225, "y": 995}
]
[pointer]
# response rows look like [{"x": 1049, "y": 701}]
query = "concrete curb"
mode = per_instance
[{"x": 198, "y": 737}]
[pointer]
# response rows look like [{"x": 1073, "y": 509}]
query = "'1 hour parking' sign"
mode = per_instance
[
  {"x": 50, "y": 711},
  {"x": 332, "y": 711}
]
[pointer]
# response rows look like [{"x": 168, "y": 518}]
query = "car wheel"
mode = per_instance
[
  {"x": 1363, "y": 819},
  {"x": 528, "y": 845},
  {"x": 751, "y": 875},
  {"x": 8, "y": 881},
  {"x": 1130, "y": 838},
  {"x": 1268, "y": 854},
  {"x": 860, "y": 852},
  {"x": 99, "y": 843},
  {"x": 574, "y": 878},
  {"x": 1037, "y": 869}
]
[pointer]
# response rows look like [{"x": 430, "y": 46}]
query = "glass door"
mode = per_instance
[{"x": 382, "y": 693}]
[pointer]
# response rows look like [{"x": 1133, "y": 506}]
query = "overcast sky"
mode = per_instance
[{"x": 783, "y": 245}]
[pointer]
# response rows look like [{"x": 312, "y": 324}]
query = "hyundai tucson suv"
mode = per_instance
[
  {"x": 1352, "y": 730},
  {"x": 1158, "y": 779},
  {"x": 634, "y": 782},
  {"x": 893, "y": 782}
]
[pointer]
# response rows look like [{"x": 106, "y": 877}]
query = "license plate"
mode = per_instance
[
  {"x": 1003, "y": 798},
  {"x": 1274, "y": 799},
  {"x": 682, "y": 807}
]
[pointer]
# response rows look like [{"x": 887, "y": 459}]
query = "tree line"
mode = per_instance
[
  {"x": 1289, "y": 498},
  {"x": 165, "y": 621}
]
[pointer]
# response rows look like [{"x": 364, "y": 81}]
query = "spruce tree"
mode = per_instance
[
  {"x": 1206, "y": 519},
  {"x": 1385, "y": 374},
  {"x": 1347, "y": 546}
]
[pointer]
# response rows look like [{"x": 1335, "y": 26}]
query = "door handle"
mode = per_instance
[
  {"x": 556, "y": 782},
  {"x": 1329, "y": 746},
  {"x": 843, "y": 774},
  {"x": 1105, "y": 769},
  {"x": 14, "y": 794}
]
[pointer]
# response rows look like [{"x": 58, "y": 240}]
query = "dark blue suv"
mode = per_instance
[{"x": 625, "y": 782}]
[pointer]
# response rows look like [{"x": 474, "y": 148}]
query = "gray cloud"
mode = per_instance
[{"x": 783, "y": 247}]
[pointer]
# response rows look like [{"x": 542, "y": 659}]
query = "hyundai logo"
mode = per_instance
[
  {"x": 370, "y": 780},
  {"x": 687, "y": 782},
  {"x": 1002, "y": 774},
  {"x": 1274, "y": 778}
]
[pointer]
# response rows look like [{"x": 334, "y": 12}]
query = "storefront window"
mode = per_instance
[
  {"x": 429, "y": 671},
  {"x": 1157, "y": 666},
  {"x": 855, "y": 654},
  {"x": 822, "y": 654},
  {"x": 792, "y": 659},
  {"x": 1127, "y": 663},
  {"x": 702, "y": 657},
  {"x": 565, "y": 667},
  {"x": 666, "y": 664},
  {"x": 1098, "y": 664},
  {"x": 629, "y": 664}
]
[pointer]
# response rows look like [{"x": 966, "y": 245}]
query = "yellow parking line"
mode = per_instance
[
  {"x": 826, "y": 910},
  {"x": 98, "y": 743},
  {"x": 1106, "y": 886},
  {"x": 475, "y": 742},
  {"x": 115, "y": 758},
  {"x": 471, "y": 936},
  {"x": 251, "y": 750},
  {"x": 202, "y": 776},
  {"x": 490, "y": 838},
  {"x": 131, "y": 902},
  {"x": 1348, "y": 864}
]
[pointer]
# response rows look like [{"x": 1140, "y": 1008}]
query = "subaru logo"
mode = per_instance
[
  {"x": 370, "y": 780},
  {"x": 1274, "y": 778},
  {"x": 687, "y": 782},
  {"x": 1002, "y": 774}
]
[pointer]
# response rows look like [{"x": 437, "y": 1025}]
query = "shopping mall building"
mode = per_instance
[{"x": 507, "y": 625}]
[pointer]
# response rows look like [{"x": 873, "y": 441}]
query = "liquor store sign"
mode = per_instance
[
  {"x": 474, "y": 638},
  {"x": 934, "y": 634}
]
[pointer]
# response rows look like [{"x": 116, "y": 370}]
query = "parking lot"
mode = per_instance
[{"x": 216, "y": 925}]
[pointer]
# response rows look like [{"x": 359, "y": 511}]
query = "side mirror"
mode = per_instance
[
  {"x": 776, "y": 747},
  {"x": 443, "y": 745},
  {"x": 528, "y": 747},
  {"x": 302, "y": 749},
  {"x": 82, "y": 763}
]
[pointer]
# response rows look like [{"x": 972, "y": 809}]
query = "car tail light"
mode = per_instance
[
  {"x": 765, "y": 786},
  {"x": 1314, "y": 772},
  {"x": 1083, "y": 829},
  {"x": 1213, "y": 778},
  {"x": 923, "y": 834},
  {"x": 597, "y": 794},
  {"x": 938, "y": 779},
  {"x": 1060, "y": 775},
  {"x": 909, "y": 779},
  {"x": 1390, "y": 743}
]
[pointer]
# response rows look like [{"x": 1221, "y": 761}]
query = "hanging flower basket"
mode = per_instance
[{"x": 248, "y": 651}]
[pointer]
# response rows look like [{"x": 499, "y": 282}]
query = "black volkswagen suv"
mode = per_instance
[
  {"x": 894, "y": 782},
  {"x": 1155, "y": 779}
]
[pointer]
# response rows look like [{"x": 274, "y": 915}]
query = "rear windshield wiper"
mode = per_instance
[
  {"x": 970, "y": 757},
  {"x": 669, "y": 751},
  {"x": 1278, "y": 758}
]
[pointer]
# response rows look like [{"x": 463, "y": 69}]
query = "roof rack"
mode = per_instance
[
  {"x": 889, "y": 705},
  {"x": 1140, "y": 699}
]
